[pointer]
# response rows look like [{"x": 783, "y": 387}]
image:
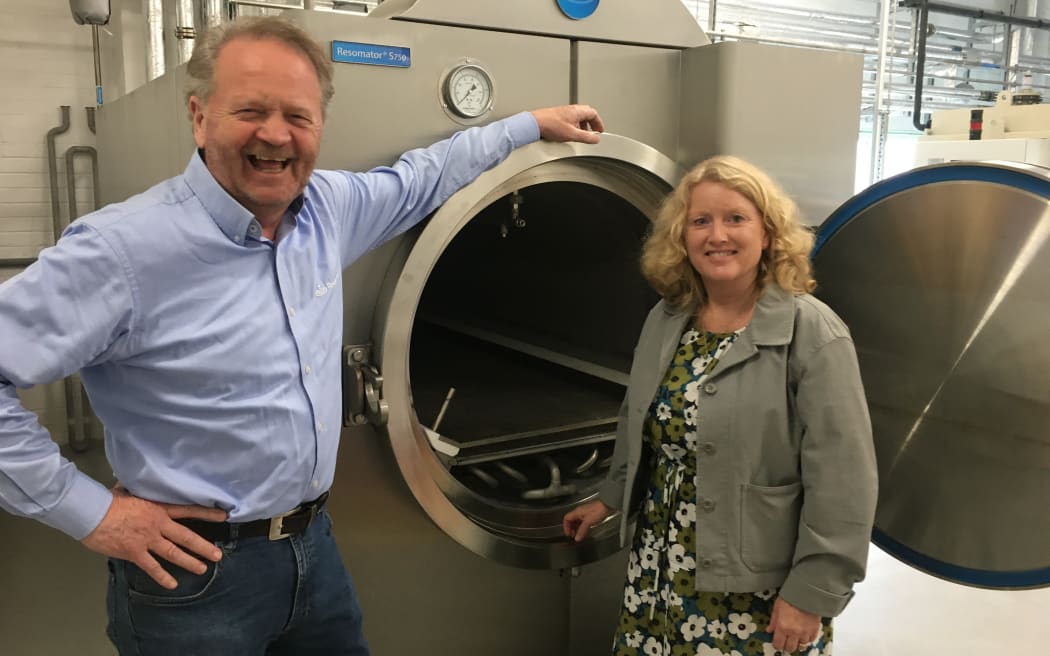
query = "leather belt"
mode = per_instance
[{"x": 291, "y": 523}]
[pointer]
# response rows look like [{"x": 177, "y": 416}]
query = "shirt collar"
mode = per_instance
[{"x": 232, "y": 218}]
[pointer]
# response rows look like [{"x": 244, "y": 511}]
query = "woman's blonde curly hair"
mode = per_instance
[{"x": 665, "y": 263}]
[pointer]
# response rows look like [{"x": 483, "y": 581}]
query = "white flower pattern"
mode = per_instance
[
  {"x": 740, "y": 625},
  {"x": 693, "y": 627}
]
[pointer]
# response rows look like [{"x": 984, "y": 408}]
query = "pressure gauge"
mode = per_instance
[{"x": 468, "y": 91}]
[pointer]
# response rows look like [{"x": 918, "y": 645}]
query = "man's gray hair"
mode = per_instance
[{"x": 201, "y": 67}]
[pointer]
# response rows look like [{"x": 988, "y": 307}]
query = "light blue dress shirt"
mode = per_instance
[{"x": 210, "y": 353}]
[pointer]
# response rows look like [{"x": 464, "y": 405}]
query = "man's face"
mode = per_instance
[{"x": 261, "y": 128}]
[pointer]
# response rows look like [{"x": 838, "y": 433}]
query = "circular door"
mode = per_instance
[
  {"x": 504, "y": 334},
  {"x": 941, "y": 274}
]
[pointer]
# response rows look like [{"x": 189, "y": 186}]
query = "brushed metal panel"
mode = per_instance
[
  {"x": 791, "y": 111},
  {"x": 943, "y": 285},
  {"x": 636, "y": 89},
  {"x": 421, "y": 592},
  {"x": 656, "y": 22},
  {"x": 379, "y": 112},
  {"x": 143, "y": 138}
]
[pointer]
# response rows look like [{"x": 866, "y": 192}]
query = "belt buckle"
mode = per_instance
[{"x": 277, "y": 525}]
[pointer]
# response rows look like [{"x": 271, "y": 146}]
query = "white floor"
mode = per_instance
[{"x": 900, "y": 611}]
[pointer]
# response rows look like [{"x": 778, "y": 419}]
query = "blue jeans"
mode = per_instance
[{"x": 263, "y": 598}]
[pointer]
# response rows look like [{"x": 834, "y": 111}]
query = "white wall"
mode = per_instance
[{"x": 45, "y": 61}]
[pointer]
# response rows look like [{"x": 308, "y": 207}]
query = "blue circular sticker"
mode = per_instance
[{"x": 577, "y": 9}]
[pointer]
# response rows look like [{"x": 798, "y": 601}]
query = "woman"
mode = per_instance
[{"x": 745, "y": 431}]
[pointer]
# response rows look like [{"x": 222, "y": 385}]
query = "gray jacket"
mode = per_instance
[{"x": 786, "y": 478}]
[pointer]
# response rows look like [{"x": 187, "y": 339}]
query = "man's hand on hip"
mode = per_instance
[{"x": 137, "y": 530}]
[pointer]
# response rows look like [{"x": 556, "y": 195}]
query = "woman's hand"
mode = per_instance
[
  {"x": 579, "y": 521},
  {"x": 792, "y": 628}
]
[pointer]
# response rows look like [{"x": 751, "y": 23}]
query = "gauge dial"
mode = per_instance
[{"x": 468, "y": 91}]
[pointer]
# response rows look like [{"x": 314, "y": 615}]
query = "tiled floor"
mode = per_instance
[{"x": 52, "y": 603}]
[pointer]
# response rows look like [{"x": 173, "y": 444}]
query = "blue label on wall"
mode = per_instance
[
  {"x": 577, "y": 9},
  {"x": 370, "y": 53}
]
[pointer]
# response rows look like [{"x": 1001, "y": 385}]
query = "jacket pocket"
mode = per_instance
[{"x": 769, "y": 525}]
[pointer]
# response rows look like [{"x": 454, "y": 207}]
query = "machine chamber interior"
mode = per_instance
[
  {"x": 507, "y": 345},
  {"x": 531, "y": 315}
]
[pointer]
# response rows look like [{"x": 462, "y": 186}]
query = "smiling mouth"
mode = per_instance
[
  {"x": 268, "y": 164},
  {"x": 719, "y": 253}
]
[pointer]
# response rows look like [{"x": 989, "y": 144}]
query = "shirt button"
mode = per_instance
[
  {"x": 320, "y": 426},
  {"x": 291, "y": 312},
  {"x": 307, "y": 370},
  {"x": 706, "y": 563},
  {"x": 710, "y": 388},
  {"x": 316, "y": 485},
  {"x": 709, "y": 448},
  {"x": 253, "y": 229},
  {"x": 708, "y": 505}
]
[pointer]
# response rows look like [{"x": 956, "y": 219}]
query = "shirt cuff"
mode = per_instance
[
  {"x": 82, "y": 509},
  {"x": 522, "y": 128}
]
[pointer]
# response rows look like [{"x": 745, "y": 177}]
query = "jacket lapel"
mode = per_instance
[{"x": 773, "y": 323}]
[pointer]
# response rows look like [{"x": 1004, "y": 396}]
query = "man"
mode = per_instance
[{"x": 193, "y": 314}]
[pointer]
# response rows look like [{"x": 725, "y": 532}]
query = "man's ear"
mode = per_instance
[{"x": 196, "y": 106}]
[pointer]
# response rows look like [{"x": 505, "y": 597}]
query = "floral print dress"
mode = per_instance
[{"x": 663, "y": 614}]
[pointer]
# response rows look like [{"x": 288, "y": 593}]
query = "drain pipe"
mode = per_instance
[
  {"x": 920, "y": 66},
  {"x": 71, "y": 189},
  {"x": 78, "y": 435},
  {"x": 52, "y": 171}
]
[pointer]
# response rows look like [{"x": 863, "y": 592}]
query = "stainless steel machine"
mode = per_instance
[{"x": 487, "y": 350}]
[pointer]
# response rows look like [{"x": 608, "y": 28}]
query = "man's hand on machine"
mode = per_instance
[{"x": 569, "y": 123}]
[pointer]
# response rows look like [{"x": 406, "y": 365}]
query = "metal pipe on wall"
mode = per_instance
[
  {"x": 155, "y": 64},
  {"x": 52, "y": 171},
  {"x": 185, "y": 31},
  {"x": 98, "y": 64},
  {"x": 879, "y": 115},
  {"x": 77, "y": 418},
  {"x": 920, "y": 65},
  {"x": 210, "y": 13},
  {"x": 71, "y": 190}
]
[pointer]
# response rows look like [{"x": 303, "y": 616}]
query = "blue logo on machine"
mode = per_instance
[
  {"x": 349, "y": 52},
  {"x": 577, "y": 9}
]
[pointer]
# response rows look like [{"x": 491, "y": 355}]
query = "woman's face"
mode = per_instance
[{"x": 724, "y": 236}]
